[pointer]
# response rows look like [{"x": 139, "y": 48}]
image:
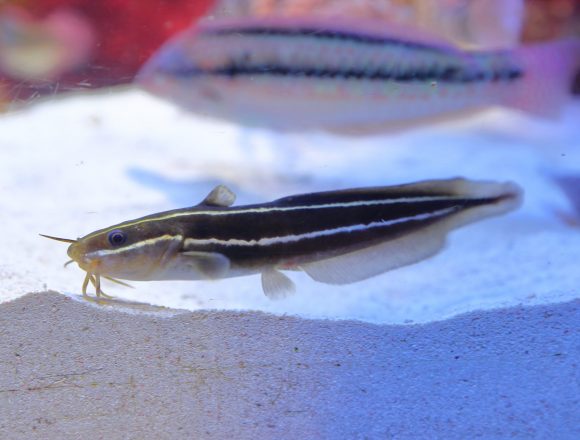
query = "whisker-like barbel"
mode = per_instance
[
  {"x": 86, "y": 284},
  {"x": 96, "y": 281},
  {"x": 113, "y": 280},
  {"x": 336, "y": 237},
  {"x": 64, "y": 240}
]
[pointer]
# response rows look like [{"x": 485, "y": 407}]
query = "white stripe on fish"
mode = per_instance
[
  {"x": 267, "y": 241},
  {"x": 262, "y": 210}
]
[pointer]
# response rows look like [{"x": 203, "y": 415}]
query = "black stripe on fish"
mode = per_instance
[
  {"x": 452, "y": 75},
  {"x": 324, "y": 34},
  {"x": 302, "y": 221},
  {"x": 299, "y": 235},
  {"x": 322, "y": 243}
]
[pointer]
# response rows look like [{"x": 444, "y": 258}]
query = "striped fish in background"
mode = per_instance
[
  {"x": 336, "y": 237},
  {"x": 473, "y": 23},
  {"x": 356, "y": 76}
]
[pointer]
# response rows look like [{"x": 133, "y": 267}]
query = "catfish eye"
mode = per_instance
[{"x": 117, "y": 237}]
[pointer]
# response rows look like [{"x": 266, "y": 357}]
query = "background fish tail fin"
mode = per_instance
[{"x": 550, "y": 69}]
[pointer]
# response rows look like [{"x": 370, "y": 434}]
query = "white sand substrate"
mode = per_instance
[
  {"x": 71, "y": 166},
  {"x": 480, "y": 341},
  {"x": 117, "y": 374}
]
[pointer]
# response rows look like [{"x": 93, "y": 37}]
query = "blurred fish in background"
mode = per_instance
[
  {"x": 51, "y": 46},
  {"x": 472, "y": 23},
  {"x": 485, "y": 24},
  {"x": 352, "y": 76}
]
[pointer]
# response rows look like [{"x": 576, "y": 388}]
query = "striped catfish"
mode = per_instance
[
  {"x": 349, "y": 76},
  {"x": 336, "y": 237}
]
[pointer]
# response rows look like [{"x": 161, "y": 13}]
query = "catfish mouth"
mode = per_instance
[
  {"x": 142, "y": 266},
  {"x": 75, "y": 252},
  {"x": 144, "y": 263},
  {"x": 93, "y": 269}
]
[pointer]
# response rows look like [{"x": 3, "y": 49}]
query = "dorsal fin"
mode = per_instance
[{"x": 221, "y": 195}]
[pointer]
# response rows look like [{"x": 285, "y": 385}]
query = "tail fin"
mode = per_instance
[{"x": 549, "y": 69}]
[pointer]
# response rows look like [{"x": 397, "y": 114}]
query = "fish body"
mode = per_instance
[
  {"x": 336, "y": 237},
  {"x": 299, "y": 74},
  {"x": 480, "y": 23}
]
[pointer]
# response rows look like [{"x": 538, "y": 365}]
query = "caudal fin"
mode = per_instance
[{"x": 549, "y": 71}]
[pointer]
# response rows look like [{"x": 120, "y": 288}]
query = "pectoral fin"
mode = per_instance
[
  {"x": 276, "y": 285},
  {"x": 372, "y": 261},
  {"x": 209, "y": 264},
  {"x": 221, "y": 195}
]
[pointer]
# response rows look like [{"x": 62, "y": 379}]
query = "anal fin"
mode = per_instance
[
  {"x": 375, "y": 260},
  {"x": 276, "y": 285}
]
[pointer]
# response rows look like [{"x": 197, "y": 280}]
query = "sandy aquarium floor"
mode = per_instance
[
  {"x": 479, "y": 341},
  {"x": 72, "y": 370},
  {"x": 73, "y": 165}
]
